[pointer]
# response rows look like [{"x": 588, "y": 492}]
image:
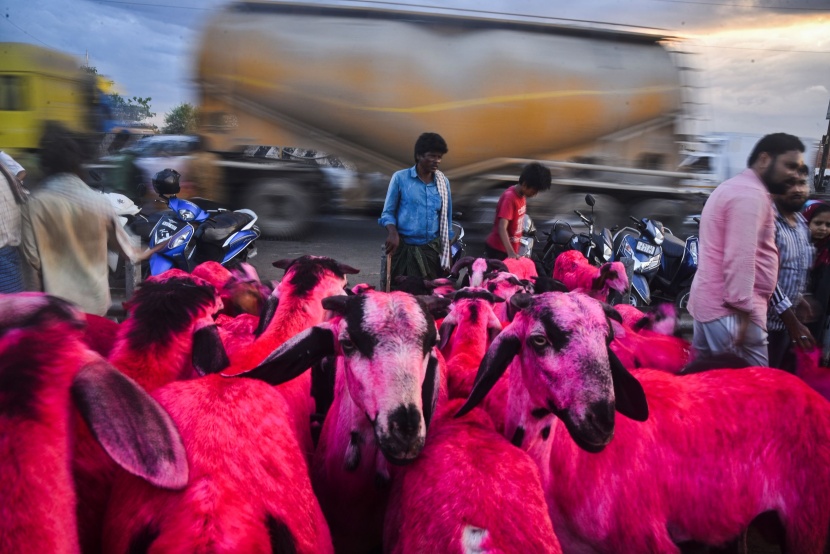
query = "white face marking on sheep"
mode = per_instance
[
  {"x": 387, "y": 342},
  {"x": 565, "y": 365}
]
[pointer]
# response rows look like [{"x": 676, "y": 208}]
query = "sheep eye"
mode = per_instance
[
  {"x": 347, "y": 346},
  {"x": 539, "y": 341}
]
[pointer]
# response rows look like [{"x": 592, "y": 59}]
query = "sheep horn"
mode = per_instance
[
  {"x": 461, "y": 264},
  {"x": 294, "y": 357},
  {"x": 266, "y": 314}
]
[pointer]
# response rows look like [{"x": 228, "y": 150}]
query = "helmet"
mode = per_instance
[{"x": 166, "y": 182}]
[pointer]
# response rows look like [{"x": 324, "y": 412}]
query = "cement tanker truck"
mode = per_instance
[{"x": 600, "y": 105}]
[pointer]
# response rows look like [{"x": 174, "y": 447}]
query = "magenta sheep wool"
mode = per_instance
[
  {"x": 469, "y": 491},
  {"x": 706, "y": 455}
]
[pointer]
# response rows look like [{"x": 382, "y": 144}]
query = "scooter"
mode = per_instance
[
  {"x": 194, "y": 234},
  {"x": 673, "y": 281},
  {"x": 595, "y": 245},
  {"x": 640, "y": 248}
]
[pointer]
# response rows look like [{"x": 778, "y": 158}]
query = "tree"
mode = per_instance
[
  {"x": 130, "y": 109},
  {"x": 180, "y": 120}
]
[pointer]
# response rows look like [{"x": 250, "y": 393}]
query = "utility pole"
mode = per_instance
[{"x": 825, "y": 147}]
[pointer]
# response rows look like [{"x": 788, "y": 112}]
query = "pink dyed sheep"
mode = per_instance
[
  {"x": 37, "y": 497},
  {"x": 718, "y": 449},
  {"x": 476, "y": 269},
  {"x": 240, "y": 288},
  {"x": 523, "y": 268},
  {"x": 249, "y": 488},
  {"x": 294, "y": 306},
  {"x": 100, "y": 334},
  {"x": 504, "y": 285},
  {"x": 466, "y": 333},
  {"x": 662, "y": 319},
  {"x": 807, "y": 367},
  {"x": 469, "y": 491},
  {"x": 170, "y": 335},
  {"x": 389, "y": 379},
  {"x": 650, "y": 349},
  {"x": 574, "y": 270}
]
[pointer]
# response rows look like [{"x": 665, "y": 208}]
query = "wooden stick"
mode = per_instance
[{"x": 388, "y": 272}]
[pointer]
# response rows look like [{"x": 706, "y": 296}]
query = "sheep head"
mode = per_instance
[
  {"x": 386, "y": 346},
  {"x": 560, "y": 342}
]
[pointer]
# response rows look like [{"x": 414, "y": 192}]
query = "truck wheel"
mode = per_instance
[{"x": 283, "y": 208}]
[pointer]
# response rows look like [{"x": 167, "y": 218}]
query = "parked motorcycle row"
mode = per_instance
[{"x": 660, "y": 265}]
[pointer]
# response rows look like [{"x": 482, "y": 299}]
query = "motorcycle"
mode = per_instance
[
  {"x": 528, "y": 240},
  {"x": 640, "y": 249},
  {"x": 194, "y": 234},
  {"x": 678, "y": 266},
  {"x": 594, "y": 245}
]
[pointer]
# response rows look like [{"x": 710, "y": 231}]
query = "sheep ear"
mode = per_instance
[
  {"x": 446, "y": 331},
  {"x": 209, "y": 355},
  {"x": 430, "y": 388},
  {"x": 136, "y": 432},
  {"x": 438, "y": 306},
  {"x": 266, "y": 314},
  {"x": 336, "y": 304},
  {"x": 285, "y": 263},
  {"x": 294, "y": 356},
  {"x": 518, "y": 302},
  {"x": 347, "y": 269},
  {"x": 630, "y": 396},
  {"x": 492, "y": 367}
]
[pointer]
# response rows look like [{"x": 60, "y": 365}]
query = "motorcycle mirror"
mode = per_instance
[{"x": 590, "y": 200}]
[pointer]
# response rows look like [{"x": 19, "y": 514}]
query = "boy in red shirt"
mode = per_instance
[{"x": 503, "y": 240}]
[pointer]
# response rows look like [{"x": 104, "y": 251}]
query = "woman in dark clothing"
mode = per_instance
[{"x": 818, "y": 218}]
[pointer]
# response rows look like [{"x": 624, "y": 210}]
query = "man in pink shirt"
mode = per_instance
[{"x": 738, "y": 264}]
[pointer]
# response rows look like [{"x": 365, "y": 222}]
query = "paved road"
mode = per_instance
[{"x": 353, "y": 240}]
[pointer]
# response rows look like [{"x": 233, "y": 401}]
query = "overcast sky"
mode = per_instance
[{"x": 764, "y": 64}]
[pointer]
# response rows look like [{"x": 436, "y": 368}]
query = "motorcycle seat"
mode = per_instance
[
  {"x": 673, "y": 247},
  {"x": 219, "y": 227},
  {"x": 561, "y": 233}
]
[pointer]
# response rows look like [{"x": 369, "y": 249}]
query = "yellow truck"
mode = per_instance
[
  {"x": 39, "y": 84},
  {"x": 600, "y": 104}
]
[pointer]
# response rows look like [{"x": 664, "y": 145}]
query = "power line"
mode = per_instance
[{"x": 24, "y": 31}]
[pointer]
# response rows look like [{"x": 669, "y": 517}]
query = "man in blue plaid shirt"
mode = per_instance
[{"x": 788, "y": 304}]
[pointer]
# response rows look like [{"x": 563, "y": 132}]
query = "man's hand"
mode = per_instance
[
  {"x": 393, "y": 240},
  {"x": 513, "y": 254},
  {"x": 743, "y": 325},
  {"x": 799, "y": 334}
]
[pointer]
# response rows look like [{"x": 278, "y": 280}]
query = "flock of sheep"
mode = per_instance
[{"x": 510, "y": 415}]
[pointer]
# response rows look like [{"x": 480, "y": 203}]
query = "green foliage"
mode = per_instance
[
  {"x": 131, "y": 109},
  {"x": 180, "y": 120}
]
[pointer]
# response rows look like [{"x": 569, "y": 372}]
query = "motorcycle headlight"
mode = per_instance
[
  {"x": 186, "y": 215},
  {"x": 180, "y": 239},
  {"x": 607, "y": 252}
]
